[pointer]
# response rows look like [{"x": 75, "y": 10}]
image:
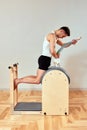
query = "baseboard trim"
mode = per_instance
[{"x": 78, "y": 89}]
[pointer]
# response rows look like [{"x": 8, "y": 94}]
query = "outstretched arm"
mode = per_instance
[
  {"x": 57, "y": 61},
  {"x": 68, "y": 44}
]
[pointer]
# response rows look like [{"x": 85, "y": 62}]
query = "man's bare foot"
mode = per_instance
[{"x": 15, "y": 83}]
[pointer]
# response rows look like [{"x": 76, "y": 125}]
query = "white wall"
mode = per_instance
[{"x": 23, "y": 25}]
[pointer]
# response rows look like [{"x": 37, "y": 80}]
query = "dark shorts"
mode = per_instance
[{"x": 44, "y": 62}]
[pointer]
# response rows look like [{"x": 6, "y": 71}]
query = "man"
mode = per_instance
[{"x": 48, "y": 51}]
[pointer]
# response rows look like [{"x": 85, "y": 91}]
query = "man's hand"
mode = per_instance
[
  {"x": 57, "y": 55},
  {"x": 74, "y": 41}
]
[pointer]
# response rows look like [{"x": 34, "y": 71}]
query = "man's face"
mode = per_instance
[{"x": 62, "y": 33}]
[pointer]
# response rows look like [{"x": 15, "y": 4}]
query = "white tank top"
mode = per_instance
[{"x": 46, "y": 48}]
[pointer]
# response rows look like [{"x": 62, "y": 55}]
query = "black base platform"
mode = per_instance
[{"x": 28, "y": 106}]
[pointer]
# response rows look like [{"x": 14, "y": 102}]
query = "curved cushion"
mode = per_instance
[{"x": 56, "y": 68}]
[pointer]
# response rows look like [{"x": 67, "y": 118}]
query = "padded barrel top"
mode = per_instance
[{"x": 56, "y": 68}]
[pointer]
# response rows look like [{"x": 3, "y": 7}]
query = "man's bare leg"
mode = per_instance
[{"x": 30, "y": 79}]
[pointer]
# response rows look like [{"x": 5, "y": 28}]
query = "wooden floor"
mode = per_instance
[{"x": 77, "y": 119}]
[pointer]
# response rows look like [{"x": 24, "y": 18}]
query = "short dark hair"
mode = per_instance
[{"x": 66, "y": 29}]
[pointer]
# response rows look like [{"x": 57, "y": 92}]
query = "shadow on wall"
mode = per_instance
[{"x": 77, "y": 68}]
